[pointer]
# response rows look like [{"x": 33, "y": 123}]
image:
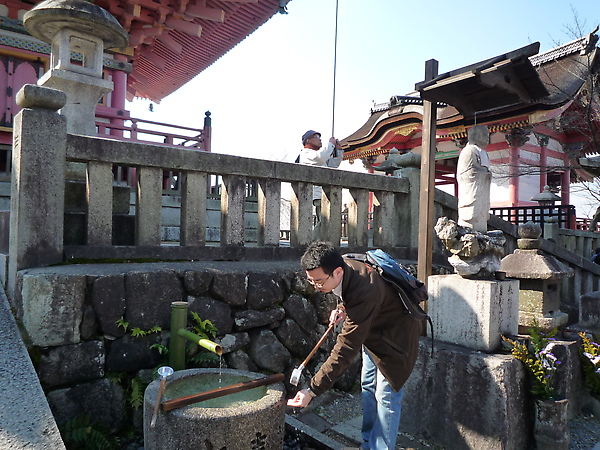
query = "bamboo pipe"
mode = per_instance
[
  {"x": 177, "y": 343},
  {"x": 220, "y": 392},
  {"x": 206, "y": 343}
]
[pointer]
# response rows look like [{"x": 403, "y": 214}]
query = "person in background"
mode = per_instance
[
  {"x": 376, "y": 324},
  {"x": 313, "y": 153},
  {"x": 596, "y": 257}
]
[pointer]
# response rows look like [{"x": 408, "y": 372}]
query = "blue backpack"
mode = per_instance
[{"x": 411, "y": 291}]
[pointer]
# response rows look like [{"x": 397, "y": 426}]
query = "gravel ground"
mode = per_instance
[{"x": 337, "y": 407}]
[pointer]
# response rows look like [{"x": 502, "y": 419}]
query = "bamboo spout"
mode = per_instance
[
  {"x": 206, "y": 343},
  {"x": 179, "y": 334},
  {"x": 220, "y": 392}
]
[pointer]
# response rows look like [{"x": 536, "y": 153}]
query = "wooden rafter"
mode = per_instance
[
  {"x": 191, "y": 28},
  {"x": 171, "y": 41},
  {"x": 202, "y": 12}
]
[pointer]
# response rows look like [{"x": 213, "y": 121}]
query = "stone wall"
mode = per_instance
[{"x": 268, "y": 319}]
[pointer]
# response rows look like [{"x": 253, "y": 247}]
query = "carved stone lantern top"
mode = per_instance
[{"x": 48, "y": 18}]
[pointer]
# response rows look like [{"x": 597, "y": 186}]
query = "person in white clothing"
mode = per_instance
[{"x": 313, "y": 154}]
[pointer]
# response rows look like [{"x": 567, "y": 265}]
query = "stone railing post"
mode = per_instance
[
  {"x": 38, "y": 181},
  {"x": 408, "y": 230}
]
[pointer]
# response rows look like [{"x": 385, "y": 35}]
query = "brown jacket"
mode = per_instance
[{"x": 376, "y": 319}]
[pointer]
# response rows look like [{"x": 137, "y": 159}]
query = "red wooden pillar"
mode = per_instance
[
  {"x": 543, "y": 164},
  {"x": 513, "y": 172},
  {"x": 117, "y": 99},
  {"x": 515, "y": 138}
]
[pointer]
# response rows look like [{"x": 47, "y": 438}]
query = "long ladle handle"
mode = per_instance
[
  {"x": 314, "y": 350},
  {"x": 220, "y": 392},
  {"x": 161, "y": 389}
]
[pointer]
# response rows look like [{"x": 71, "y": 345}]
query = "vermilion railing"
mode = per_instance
[{"x": 123, "y": 127}]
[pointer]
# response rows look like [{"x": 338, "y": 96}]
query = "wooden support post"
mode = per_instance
[{"x": 426, "y": 211}]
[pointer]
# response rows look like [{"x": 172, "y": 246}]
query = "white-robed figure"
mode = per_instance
[{"x": 474, "y": 180}]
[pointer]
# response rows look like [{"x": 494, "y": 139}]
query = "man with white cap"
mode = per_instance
[{"x": 313, "y": 154}]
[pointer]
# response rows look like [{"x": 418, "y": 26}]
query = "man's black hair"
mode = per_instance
[{"x": 322, "y": 254}]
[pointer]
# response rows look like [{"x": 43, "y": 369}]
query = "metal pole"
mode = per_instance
[{"x": 334, "y": 68}]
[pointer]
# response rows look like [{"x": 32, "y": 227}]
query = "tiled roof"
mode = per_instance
[
  {"x": 582, "y": 45},
  {"x": 173, "y": 41}
]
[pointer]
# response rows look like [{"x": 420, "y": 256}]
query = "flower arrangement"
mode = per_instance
[
  {"x": 538, "y": 359},
  {"x": 590, "y": 364}
]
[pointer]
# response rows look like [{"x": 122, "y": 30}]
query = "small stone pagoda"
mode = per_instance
[{"x": 539, "y": 275}]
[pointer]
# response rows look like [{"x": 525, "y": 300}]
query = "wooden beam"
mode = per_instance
[
  {"x": 202, "y": 12},
  {"x": 153, "y": 58},
  {"x": 138, "y": 36},
  {"x": 170, "y": 43},
  {"x": 491, "y": 79},
  {"x": 191, "y": 28},
  {"x": 426, "y": 206}
]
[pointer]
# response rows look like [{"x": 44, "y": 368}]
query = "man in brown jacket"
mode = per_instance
[{"x": 376, "y": 323}]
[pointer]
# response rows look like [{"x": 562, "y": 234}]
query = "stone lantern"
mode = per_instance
[
  {"x": 539, "y": 275},
  {"x": 546, "y": 197},
  {"x": 77, "y": 30},
  {"x": 548, "y": 222}
]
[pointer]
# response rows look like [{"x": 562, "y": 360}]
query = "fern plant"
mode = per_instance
[
  {"x": 195, "y": 355},
  {"x": 133, "y": 388},
  {"x": 203, "y": 328},
  {"x": 80, "y": 434}
]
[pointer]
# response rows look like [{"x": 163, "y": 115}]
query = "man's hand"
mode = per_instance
[
  {"x": 337, "y": 316},
  {"x": 335, "y": 142},
  {"x": 301, "y": 399}
]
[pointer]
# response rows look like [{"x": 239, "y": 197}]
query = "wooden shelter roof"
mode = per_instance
[
  {"x": 561, "y": 73},
  {"x": 172, "y": 41},
  {"x": 496, "y": 82}
]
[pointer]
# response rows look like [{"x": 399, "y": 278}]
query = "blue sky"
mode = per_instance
[{"x": 266, "y": 92}]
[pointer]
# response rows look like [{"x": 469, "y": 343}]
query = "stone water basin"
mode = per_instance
[{"x": 253, "y": 419}]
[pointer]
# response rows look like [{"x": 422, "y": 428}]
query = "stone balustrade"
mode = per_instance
[{"x": 39, "y": 226}]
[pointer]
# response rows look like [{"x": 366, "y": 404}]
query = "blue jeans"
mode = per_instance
[{"x": 381, "y": 408}]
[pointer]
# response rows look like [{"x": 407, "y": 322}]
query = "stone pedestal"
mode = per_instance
[
  {"x": 83, "y": 93},
  {"x": 473, "y": 313},
  {"x": 462, "y": 399}
]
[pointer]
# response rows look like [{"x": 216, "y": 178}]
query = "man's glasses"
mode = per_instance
[{"x": 318, "y": 284}]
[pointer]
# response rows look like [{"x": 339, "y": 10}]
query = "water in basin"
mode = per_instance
[{"x": 209, "y": 381}]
